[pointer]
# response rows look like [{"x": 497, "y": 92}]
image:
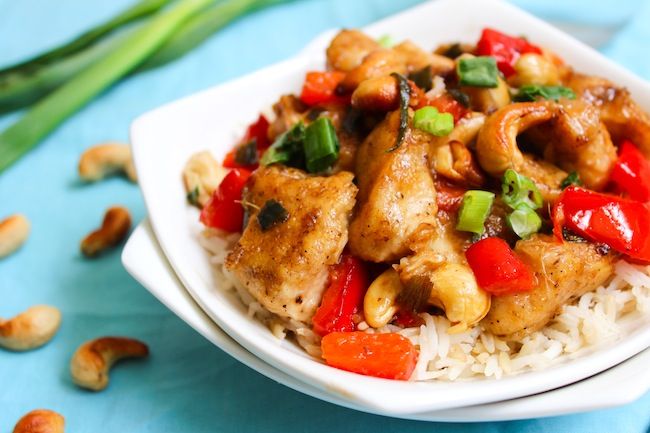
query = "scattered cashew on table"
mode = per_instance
[
  {"x": 40, "y": 421},
  {"x": 14, "y": 231},
  {"x": 115, "y": 227},
  {"x": 92, "y": 361},
  {"x": 30, "y": 329},
  {"x": 102, "y": 160}
]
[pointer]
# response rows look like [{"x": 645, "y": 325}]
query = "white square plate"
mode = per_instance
[
  {"x": 619, "y": 385},
  {"x": 164, "y": 139}
]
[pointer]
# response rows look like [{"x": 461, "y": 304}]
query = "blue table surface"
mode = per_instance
[{"x": 187, "y": 384}]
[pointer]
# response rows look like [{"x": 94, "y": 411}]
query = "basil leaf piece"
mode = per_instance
[{"x": 271, "y": 214}]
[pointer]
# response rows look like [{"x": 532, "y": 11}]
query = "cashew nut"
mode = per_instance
[
  {"x": 376, "y": 94},
  {"x": 379, "y": 302},
  {"x": 114, "y": 229},
  {"x": 13, "y": 233},
  {"x": 348, "y": 49},
  {"x": 92, "y": 361},
  {"x": 40, "y": 421},
  {"x": 106, "y": 159},
  {"x": 202, "y": 175},
  {"x": 416, "y": 58},
  {"x": 30, "y": 329},
  {"x": 533, "y": 68},
  {"x": 487, "y": 100},
  {"x": 376, "y": 64}
]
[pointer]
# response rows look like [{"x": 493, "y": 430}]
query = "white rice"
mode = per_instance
[{"x": 594, "y": 319}]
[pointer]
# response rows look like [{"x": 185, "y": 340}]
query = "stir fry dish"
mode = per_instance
[{"x": 476, "y": 210}]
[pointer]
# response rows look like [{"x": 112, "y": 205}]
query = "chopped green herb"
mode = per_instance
[
  {"x": 287, "y": 148},
  {"x": 533, "y": 92},
  {"x": 321, "y": 145},
  {"x": 518, "y": 189},
  {"x": 422, "y": 78},
  {"x": 271, "y": 214},
  {"x": 572, "y": 179},
  {"x": 386, "y": 41},
  {"x": 474, "y": 211},
  {"x": 478, "y": 72},
  {"x": 459, "y": 96},
  {"x": 430, "y": 120},
  {"x": 524, "y": 221},
  {"x": 246, "y": 154},
  {"x": 193, "y": 197},
  {"x": 404, "y": 99}
]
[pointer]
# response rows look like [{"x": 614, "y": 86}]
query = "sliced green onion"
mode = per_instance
[
  {"x": 46, "y": 115},
  {"x": 532, "y": 92},
  {"x": 474, "y": 211},
  {"x": 430, "y": 120},
  {"x": 572, "y": 179},
  {"x": 524, "y": 221},
  {"x": 478, "y": 72},
  {"x": 422, "y": 78},
  {"x": 404, "y": 99},
  {"x": 287, "y": 148},
  {"x": 386, "y": 41},
  {"x": 518, "y": 189},
  {"x": 321, "y": 145}
]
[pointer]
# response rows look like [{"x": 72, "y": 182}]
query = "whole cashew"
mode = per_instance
[
  {"x": 13, "y": 233},
  {"x": 114, "y": 229},
  {"x": 202, "y": 175},
  {"x": 40, "y": 421},
  {"x": 105, "y": 159},
  {"x": 92, "y": 361},
  {"x": 30, "y": 329}
]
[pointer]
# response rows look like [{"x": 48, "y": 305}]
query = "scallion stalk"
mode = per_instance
[
  {"x": 518, "y": 189},
  {"x": 46, "y": 115},
  {"x": 524, "y": 221},
  {"x": 321, "y": 145},
  {"x": 474, "y": 211},
  {"x": 478, "y": 72},
  {"x": 430, "y": 120}
]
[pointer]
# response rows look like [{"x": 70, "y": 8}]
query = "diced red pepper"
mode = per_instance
[
  {"x": 631, "y": 174},
  {"x": 506, "y": 49},
  {"x": 343, "y": 298},
  {"x": 389, "y": 356},
  {"x": 224, "y": 210},
  {"x": 497, "y": 268},
  {"x": 621, "y": 223},
  {"x": 447, "y": 104},
  {"x": 257, "y": 131},
  {"x": 407, "y": 318},
  {"x": 320, "y": 88},
  {"x": 449, "y": 197}
]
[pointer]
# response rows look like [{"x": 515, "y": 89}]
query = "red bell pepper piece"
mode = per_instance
[
  {"x": 389, "y": 356},
  {"x": 497, "y": 268},
  {"x": 407, "y": 319},
  {"x": 506, "y": 49},
  {"x": 447, "y": 104},
  {"x": 343, "y": 298},
  {"x": 449, "y": 197},
  {"x": 621, "y": 223},
  {"x": 224, "y": 210},
  {"x": 320, "y": 88},
  {"x": 631, "y": 174},
  {"x": 256, "y": 131}
]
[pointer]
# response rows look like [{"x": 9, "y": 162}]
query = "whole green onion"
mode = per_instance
[
  {"x": 474, "y": 211},
  {"x": 524, "y": 221},
  {"x": 532, "y": 92},
  {"x": 430, "y": 120},
  {"x": 478, "y": 72},
  {"x": 321, "y": 145},
  {"x": 51, "y": 111},
  {"x": 518, "y": 189}
]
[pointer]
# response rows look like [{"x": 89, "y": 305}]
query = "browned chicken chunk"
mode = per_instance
[
  {"x": 285, "y": 267},
  {"x": 396, "y": 192},
  {"x": 564, "y": 271}
]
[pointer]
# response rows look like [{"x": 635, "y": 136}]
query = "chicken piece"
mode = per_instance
[
  {"x": 564, "y": 271},
  {"x": 576, "y": 140},
  {"x": 285, "y": 268},
  {"x": 396, "y": 192},
  {"x": 288, "y": 111},
  {"x": 348, "y": 49},
  {"x": 622, "y": 116}
]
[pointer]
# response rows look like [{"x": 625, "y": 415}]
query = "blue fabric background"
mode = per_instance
[{"x": 187, "y": 384}]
